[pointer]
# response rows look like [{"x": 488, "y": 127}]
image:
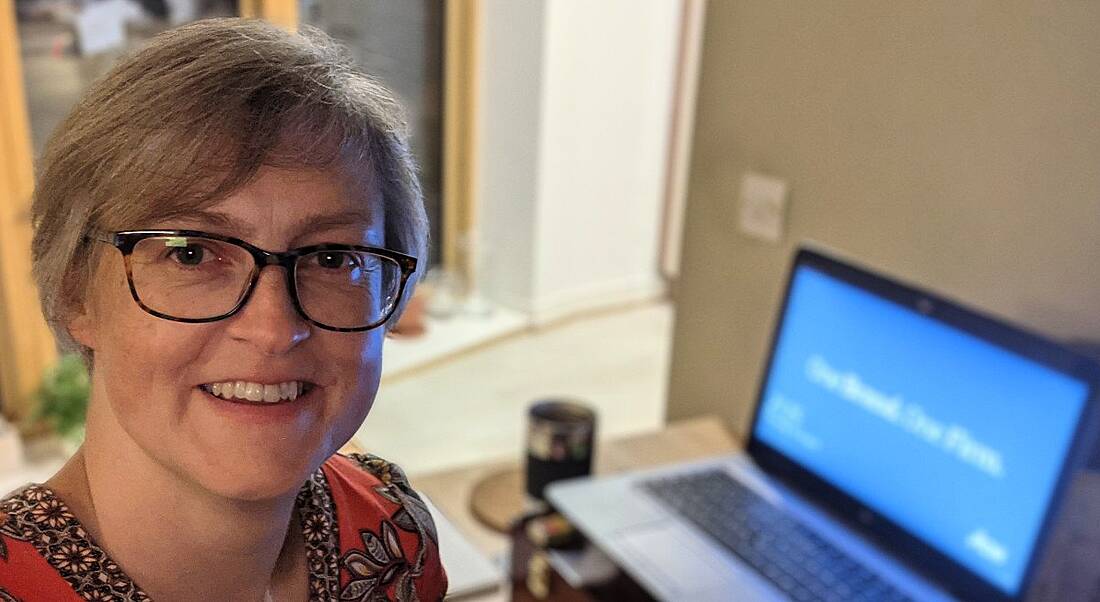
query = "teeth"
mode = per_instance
[
  {"x": 256, "y": 392},
  {"x": 289, "y": 390},
  {"x": 271, "y": 393}
]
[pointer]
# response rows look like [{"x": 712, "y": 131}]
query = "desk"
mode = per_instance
[{"x": 1069, "y": 572}]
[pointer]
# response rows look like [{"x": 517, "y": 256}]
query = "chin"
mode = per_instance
[
  {"x": 254, "y": 485},
  {"x": 248, "y": 478}
]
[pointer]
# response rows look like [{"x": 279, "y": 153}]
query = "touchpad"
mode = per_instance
[{"x": 692, "y": 567}]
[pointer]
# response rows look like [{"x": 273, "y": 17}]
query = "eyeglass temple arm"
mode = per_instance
[{"x": 99, "y": 238}]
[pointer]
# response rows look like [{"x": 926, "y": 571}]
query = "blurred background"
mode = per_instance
[{"x": 589, "y": 170}]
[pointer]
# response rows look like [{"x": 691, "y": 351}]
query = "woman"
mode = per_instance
[{"x": 225, "y": 226}]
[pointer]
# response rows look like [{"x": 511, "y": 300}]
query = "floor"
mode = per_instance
[{"x": 471, "y": 408}]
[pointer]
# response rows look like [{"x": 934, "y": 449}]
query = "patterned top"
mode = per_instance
[{"x": 368, "y": 536}]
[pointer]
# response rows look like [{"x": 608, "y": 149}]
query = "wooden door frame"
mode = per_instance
[
  {"x": 280, "y": 12},
  {"x": 462, "y": 33},
  {"x": 27, "y": 347}
]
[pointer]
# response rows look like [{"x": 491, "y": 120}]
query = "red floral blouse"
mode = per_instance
[{"x": 368, "y": 536}]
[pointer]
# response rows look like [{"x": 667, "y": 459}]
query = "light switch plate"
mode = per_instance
[{"x": 763, "y": 206}]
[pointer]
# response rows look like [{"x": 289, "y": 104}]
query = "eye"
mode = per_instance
[
  {"x": 191, "y": 255},
  {"x": 335, "y": 260}
]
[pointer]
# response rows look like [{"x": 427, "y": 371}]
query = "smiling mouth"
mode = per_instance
[{"x": 253, "y": 393}]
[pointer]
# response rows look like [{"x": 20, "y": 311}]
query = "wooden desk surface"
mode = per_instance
[{"x": 685, "y": 440}]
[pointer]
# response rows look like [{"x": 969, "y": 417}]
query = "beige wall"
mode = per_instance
[{"x": 955, "y": 144}]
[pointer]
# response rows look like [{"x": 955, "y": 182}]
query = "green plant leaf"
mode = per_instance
[{"x": 63, "y": 396}]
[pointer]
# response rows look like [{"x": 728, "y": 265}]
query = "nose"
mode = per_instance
[{"x": 268, "y": 321}]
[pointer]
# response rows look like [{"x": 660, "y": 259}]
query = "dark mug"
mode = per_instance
[{"x": 560, "y": 437}]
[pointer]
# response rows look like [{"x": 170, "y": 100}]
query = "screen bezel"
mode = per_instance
[{"x": 940, "y": 568}]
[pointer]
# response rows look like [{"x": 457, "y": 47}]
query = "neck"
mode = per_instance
[{"x": 176, "y": 540}]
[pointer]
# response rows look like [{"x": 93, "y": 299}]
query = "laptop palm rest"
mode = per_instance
[{"x": 686, "y": 563}]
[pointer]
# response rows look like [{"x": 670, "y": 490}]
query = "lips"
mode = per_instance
[{"x": 258, "y": 393}]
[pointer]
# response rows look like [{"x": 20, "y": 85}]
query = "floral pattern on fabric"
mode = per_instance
[
  {"x": 383, "y": 568},
  {"x": 317, "y": 514},
  {"x": 35, "y": 515},
  {"x": 376, "y": 566},
  {"x": 382, "y": 562}
]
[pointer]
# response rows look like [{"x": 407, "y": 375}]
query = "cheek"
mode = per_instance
[
  {"x": 139, "y": 351},
  {"x": 145, "y": 347},
  {"x": 126, "y": 350},
  {"x": 142, "y": 363},
  {"x": 369, "y": 364},
  {"x": 358, "y": 374},
  {"x": 146, "y": 363}
]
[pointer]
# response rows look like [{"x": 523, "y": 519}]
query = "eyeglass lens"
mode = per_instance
[{"x": 199, "y": 278}]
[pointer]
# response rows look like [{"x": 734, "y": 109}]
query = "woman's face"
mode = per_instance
[{"x": 149, "y": 374}]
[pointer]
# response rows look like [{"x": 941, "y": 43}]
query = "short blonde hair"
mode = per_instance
[{"x": 191, "y": 118}]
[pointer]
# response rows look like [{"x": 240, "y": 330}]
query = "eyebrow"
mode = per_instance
[{"x": 308, "y": 224}]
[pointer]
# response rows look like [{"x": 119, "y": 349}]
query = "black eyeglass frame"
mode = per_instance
[{"x": 126, "y": 240}]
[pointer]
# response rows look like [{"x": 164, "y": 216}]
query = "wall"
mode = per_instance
[
  {"x": 510, "y": 94},
  {"x": 606, "y": 113},
  {"x": 603, "y": 74},
  {"x": 952, "y": 144}
]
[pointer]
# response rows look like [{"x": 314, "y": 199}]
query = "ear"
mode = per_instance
[{"x": 81, "y": 324}]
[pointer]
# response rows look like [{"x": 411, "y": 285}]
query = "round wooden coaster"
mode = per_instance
[{"x": 497, "y": 500}]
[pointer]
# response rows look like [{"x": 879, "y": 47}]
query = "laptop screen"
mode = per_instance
[{"x": 958, "y": 441}]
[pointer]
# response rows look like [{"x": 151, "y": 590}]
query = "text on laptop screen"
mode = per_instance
[{"x": 959, "y": 441}]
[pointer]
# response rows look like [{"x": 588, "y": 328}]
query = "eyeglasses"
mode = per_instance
[{"x": 192, "y": 276}]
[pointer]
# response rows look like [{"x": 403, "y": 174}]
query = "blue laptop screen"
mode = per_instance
[{"x": 958, "y": 441}]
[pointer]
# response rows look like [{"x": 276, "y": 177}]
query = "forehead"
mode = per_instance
[{"x": 291, "y": 202}]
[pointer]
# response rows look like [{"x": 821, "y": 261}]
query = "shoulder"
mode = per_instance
[
  {"x": 388, "y": 540},
  {"x": 368, "y": 487},
  {"x": 365, "y": 473},
  {"x": 364, "y": 483}
]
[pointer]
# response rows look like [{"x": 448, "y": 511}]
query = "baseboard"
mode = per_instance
[{"x": 595, "y": 299}]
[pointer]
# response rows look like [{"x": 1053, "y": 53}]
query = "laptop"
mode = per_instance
[{"x": 902, "y": 447}]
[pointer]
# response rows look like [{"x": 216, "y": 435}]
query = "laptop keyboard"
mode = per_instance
[{"x": 798, "y": 561}]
